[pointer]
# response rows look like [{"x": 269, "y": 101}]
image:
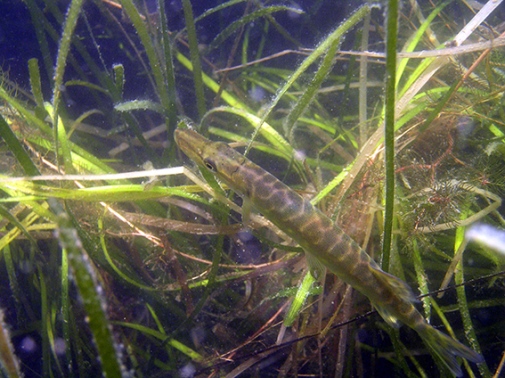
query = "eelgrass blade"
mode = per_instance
[
  {"x": 195, "y": 356},
  {"x": 171, "y": 111},
  {"x": 17, "y": 148},
  {"x": 61, "y": 141},
  {"x": 414, "y": 41},
  {"x": 422, "y": 283},
  {"x": 217, "y": 9},
  {"x": 320, "y": 50},
  {"x": 65, "y": 308},
  {"x": 213, "y": 85},
  {"x": 92, "y": 163},
  {"x": 8, "y": 360},
  {"x": 299, "y": 299},
  {"x": 401, "y": 352},
  {"x": 45, "y": 320},
  {"x": 90, "y": 290},
  {"x": 123, "y": 275},
  {"x": 59, "y": 135},
  {"x": 51, "y": 10},
  {"x": 459, "y": 277},
  {"x": 311, "y": 90},
  {"x": 34, "y": 72},
  {"x": 154, "y": 62},
  {"x": 389, "y": 131},
  {"x": 39, "y": 21},
  {"x": 195, "y": 57},
  {"x": 5, "y": 213},
  {"x": 251, "y": 17}
]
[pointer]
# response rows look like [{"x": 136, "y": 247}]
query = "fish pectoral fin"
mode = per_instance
[
  {"x": 316, "y": 267},
  {"x": 397, "y": 288},
  {"x": 246, "y": 212}
]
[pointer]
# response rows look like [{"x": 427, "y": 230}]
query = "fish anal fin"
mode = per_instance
[{"x": 387, "y": 316}]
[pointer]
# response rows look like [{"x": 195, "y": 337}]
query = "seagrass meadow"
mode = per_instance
[{"x": 121, "y": 257}]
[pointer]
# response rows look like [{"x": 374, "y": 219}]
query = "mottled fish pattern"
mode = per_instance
[{"x": 321, "y": 240}]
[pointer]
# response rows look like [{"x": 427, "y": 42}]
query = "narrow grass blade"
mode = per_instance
[
  {"x": 17, "y": 148},
  {"x": 389, "y": 131},
  {"x": 9, "y": 361},
  {"x": 61, "y": 62},
  {"x": 90, "y": 289},
  {"x": 194, "y": 54},
  {"x": 321, "y": 49}
]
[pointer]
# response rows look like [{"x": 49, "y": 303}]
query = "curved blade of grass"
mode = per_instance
[
  {"x": 236, "y": 137},
  {"x": 17, "y": 149},
  {"x": 195, "y": 356},
  {"x": 90, "y": 290},
  {"x": 85, "y": 159},
  {"x": 88, "y": 85},
  {"x": 267, "y": 131},
  {"x": 15, "y": 232},
  {"x": 25, "y": 112},
  {"x": 114, "y": 267},
  {"x": 311, "y": 90},
  {"x": 213, "y": 86},
  {"x": 5, "y": 213},
  {"x": 235, "y": 25},
  {"x": 217, "y": 9},
  {"x": 320, "y": 50},
  {"x": 416, "y": 39}
]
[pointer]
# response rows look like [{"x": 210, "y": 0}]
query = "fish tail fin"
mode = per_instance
[{"x": 447, "y": 349}]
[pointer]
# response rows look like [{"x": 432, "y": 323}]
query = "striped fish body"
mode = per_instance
[{"x": 321, "y": 239}]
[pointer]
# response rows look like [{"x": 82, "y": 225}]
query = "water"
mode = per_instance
[{"x": 161, "y": 279}]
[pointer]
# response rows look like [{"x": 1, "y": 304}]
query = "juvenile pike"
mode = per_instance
[{"x": 321, "y": 239}]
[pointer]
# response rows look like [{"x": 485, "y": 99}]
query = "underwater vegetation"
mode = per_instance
[{"x": 121, "y": 257}]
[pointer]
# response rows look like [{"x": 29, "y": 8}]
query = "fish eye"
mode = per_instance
[{"x": 209, "y": 164}]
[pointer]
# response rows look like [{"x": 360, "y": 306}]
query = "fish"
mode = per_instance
[{"x": 324, "y": 242}]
